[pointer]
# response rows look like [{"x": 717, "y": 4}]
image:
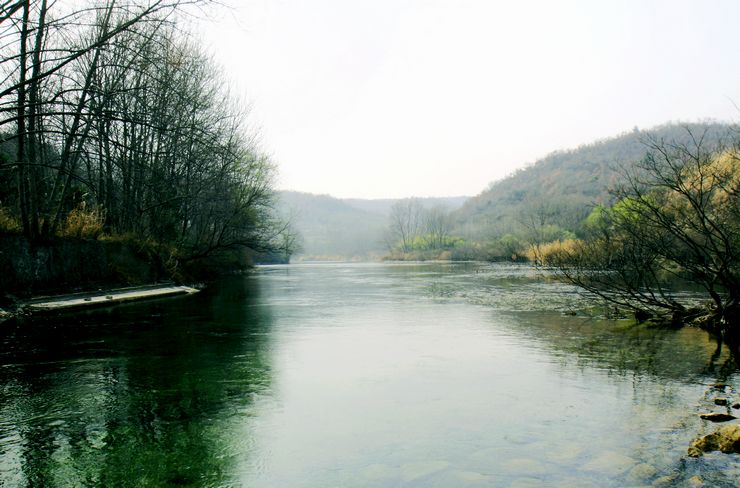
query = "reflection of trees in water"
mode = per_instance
[
  {"x": 664, "y": 370},
  {"x": 143, "y": 395},
  {"x": 620, "y": 347},
  {"x": 623, "y": 347}
]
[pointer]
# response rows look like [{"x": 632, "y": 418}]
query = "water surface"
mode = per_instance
[{"x": 359, "y": 375}]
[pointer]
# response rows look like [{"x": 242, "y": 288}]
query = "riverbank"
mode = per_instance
[{"x": 66, "y": 265}]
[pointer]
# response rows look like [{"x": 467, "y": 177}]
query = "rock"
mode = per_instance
[
  {"x": 695, "y": 481},
  {"x": 5, "y": 315},
  {"x": 720, "y": 401},
  {"x": 610, "y": 464},
  {"x": 719, "y": 386},
  {"x": 642, "y": 472},
  {"x": 736, "y": 405},
  {"x": 668, "y": 480},
  {"x": 726, "y": 439},
  {"x": 566, "y": 453},
  {"x": 717, "y": 417}
]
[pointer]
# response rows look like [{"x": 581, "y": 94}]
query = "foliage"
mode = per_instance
[
  {"x": 83, "y": 222},
  {"x": 545, "y": 253},
  {"x": 9, "y": 224},
  {"x": 676, "y": 217},
  {"x": 413, "y": 227}
]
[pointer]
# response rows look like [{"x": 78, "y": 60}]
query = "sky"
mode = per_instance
[{"x": 399, "y": 98}]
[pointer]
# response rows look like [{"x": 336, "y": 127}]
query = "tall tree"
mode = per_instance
[{"x": 406, "y": 220}]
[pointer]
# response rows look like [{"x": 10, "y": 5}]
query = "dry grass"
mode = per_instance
[
  {"x": 9, "y": 224},
  {"x": 83, "y": 222},
  {"x": 544, "y": 252}
]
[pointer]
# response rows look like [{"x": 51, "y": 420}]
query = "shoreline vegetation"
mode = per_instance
[
  {"x": 667, "y": 221},
  {"x": 124, "y": 157}
]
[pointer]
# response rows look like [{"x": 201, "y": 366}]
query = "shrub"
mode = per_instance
[
  {"x": 544, "y": 253},
  {"x": 9, "y": 223},
  {"x": 83, "y": 222}
]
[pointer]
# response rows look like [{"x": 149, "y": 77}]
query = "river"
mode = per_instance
[{"x": 349, "y": 375}]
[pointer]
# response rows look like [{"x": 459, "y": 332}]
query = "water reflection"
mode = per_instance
[
  {"x": 142, "y": 395},
  {"x": 358, "y": 375}
]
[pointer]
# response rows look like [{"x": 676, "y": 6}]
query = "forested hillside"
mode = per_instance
[
  {"x": 556, "y": 193},
  {"x": 383, "y": 206},
  {"x": 330, "y": 229}
]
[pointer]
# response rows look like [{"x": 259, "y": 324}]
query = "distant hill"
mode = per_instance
[
  {"x": 343, "y": 229},
  {"x": 568, "y": 182},
  {"x": 383, "y": 206}
]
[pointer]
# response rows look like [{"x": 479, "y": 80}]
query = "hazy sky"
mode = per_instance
[{"x": 393, "y": 98}]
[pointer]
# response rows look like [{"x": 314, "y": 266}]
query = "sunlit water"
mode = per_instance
[{"x": 418, "y": 375}]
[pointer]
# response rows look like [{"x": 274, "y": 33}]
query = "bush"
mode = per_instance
[
  {"x": 544, "y": 253},
  {"x": 9, "y": 223},
  {"x": 83, "y": 222}
]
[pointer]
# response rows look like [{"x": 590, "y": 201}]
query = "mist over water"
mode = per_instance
[{"x": 358, "y": 375}]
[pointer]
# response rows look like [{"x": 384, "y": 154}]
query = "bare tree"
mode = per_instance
[
  {"x": 118, "y": 111},
  {"x": 43, "y": 104},
  {"x": 406, "y": 219},
  {"x": 438, "y": 226},
  {"x": 677, "y": 218}
]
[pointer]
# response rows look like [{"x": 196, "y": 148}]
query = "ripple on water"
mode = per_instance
[{"x": 420, "y": 375}]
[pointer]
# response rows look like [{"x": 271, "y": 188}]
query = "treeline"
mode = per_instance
[
  {"x": 416, "y": 232},
  {"x": 116, "y": 122}
]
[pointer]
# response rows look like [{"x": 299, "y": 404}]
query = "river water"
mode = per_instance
[{"x": 371, "y": 375}]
